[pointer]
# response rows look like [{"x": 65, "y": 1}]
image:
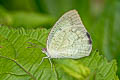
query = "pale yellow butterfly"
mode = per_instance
[{"x": 68, "y": 38}]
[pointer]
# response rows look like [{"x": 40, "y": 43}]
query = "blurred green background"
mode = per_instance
[{"x": 100, "y": 17}]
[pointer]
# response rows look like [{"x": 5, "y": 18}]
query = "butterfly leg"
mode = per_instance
[
  {"x": 43, "y": 59},
  {"x": 50, "y": 63}
]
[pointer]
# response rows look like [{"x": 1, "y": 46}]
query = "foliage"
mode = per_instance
[
  {"x": 100, "y": 17},
  {"x": 19, "y": 60}
]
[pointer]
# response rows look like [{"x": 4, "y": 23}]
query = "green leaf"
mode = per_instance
[
  {"x": 100, "y": 68},
  {"x": 20, "y": 60}
]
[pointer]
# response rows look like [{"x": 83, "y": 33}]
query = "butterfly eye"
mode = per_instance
[{"x": 44, "y": 50}]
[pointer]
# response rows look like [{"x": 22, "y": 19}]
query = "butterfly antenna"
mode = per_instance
[{"x": 34, "y": 45}]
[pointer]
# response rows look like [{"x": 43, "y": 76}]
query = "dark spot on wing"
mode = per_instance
[{"x": 90, "y": 41}]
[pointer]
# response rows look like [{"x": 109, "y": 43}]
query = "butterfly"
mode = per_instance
[{"x": 68, "y": 38}]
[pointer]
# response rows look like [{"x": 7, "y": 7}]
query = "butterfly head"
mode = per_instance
[{"x": 44, "y": 50}]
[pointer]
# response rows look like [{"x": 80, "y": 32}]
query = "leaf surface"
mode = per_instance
[{"x": 20, "y": 57}]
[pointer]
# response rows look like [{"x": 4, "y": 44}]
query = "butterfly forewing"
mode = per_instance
[{"x": 69, "y": 38}]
